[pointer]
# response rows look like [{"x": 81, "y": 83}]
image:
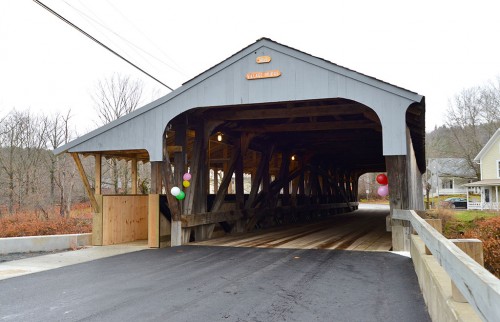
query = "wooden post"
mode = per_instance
[
  {"x": 436, "y": 224},
  {"x": 180, "y": 157},
  {"x": 397, "y": 173},
  {"x": 473, "y": 248},
  {"x": 97, "y": 223},
  {"x": 167, "y": 177},
  {"x": 98, "y": 172},
  {"x": 216, "y": 180},
  {"x": 225, "y": 166},
  {"x": 283, "y": 176},
  {"x": 97, "y": 216},
  {"x": 134, "y": 176},
  {"x": 155, "y": 177},
  {"x": 240, "y": 194},
  {"x": 153, "y": 206},
  {"x": 264, "y": 159}
]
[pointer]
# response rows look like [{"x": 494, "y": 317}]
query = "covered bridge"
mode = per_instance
[{"x": 294, "y": 131}]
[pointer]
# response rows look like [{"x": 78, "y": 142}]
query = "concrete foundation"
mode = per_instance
[
  {"x": 436, "y": 287},
  {"x": 44, "y": 243}
]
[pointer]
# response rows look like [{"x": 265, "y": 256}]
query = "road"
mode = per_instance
[{"x": 202, "y": 283}]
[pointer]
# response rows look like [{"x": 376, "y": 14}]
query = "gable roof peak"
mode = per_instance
[{"x": 487, "y": 146}]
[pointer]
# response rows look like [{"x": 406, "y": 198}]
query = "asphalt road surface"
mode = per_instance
[{"x": 200, "y": 283}]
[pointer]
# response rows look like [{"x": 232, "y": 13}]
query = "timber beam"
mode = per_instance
[
  {"x": 233, "y": 215},
  {"x": 85, "y": 180}
]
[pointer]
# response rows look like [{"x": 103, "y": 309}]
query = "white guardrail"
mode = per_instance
[{"x": 478, "y": 286}]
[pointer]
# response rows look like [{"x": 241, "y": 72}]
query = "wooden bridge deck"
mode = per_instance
[{"x": 362, "y": 230}]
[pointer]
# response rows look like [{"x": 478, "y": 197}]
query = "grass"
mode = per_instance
[
  {"x": 375, "y": 201},
  {"x": 470, "y": 215},
  {"x": 478, "y": 224}
]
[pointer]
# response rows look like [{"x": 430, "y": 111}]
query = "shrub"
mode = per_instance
[
  {"x": 33, "y": 224},
  {"x": 488, "y": 231},
  {"x": 481, "y": 225}
]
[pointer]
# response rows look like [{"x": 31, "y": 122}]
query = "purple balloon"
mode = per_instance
[
  {"x": 186, "y": 176},
  {"x": 383, "y": 191}
]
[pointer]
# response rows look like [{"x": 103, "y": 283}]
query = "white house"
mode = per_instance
[
  {"x": 489, "y": 161},
  {"x": 447, "y": 176}
]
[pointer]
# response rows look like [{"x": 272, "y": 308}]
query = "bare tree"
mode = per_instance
[
  {"x": 472, "y": 118},
  {"x": 115, "y": 97},
  {"x": 61, "y": 169},
  {"x": 22, "y": 139}
]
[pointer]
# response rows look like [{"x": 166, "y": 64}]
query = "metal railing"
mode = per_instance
[{"x": 478, "y": 286}]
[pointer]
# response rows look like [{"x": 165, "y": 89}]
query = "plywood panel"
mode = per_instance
[{"x": 125, "y": 219}]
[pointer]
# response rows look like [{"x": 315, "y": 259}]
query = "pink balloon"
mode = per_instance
[
  {"x": 186, "y": 176},
  {"x": 383, "y": 191}
]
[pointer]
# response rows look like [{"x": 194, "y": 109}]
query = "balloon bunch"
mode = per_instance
[
  {"x": 383, "y": 190},
  {"x": 177, "y": 192}
]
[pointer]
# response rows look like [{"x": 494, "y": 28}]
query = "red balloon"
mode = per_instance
[{"x": 382, "y": 178}]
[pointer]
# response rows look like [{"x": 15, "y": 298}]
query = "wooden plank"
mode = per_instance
[
  {"x": 477, "y": 285},
  {"x": 210, "y": 218},
  {"x": 90, "y": 193},
  {"x": 154, "y": 221}
]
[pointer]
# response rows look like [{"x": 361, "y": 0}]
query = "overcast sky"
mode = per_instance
[{"x": 435, "y": 48}]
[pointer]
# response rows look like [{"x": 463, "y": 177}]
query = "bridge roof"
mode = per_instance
[{"x": 303, "y": 78}]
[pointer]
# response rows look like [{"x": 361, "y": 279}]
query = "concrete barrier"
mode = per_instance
[
  {"x": 44, "y": 243},
  {"x": 435, "y": 284}
]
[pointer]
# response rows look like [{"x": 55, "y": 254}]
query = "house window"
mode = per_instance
[
  {"x": 498, "y": 169},
  {"x": 446, "y": 184}
]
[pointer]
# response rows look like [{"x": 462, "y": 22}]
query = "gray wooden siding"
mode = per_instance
[{"x": 303, "y": 78}]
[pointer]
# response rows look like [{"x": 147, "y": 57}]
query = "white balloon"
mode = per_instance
[{"x": 175, "y": 191}]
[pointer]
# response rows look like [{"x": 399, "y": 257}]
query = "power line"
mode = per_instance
[
  {"x": 98, "y": 42},
  {"x": 178, "y": 69},
  {"x": 135, "y": 47}
]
